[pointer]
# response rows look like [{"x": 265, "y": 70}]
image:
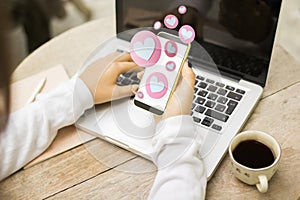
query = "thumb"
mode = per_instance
[
  {"x": 124, "y": 91},
  {"x": 188, "y": 75}
]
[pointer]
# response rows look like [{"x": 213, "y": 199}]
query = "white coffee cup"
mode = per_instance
[{"x": 250, "y": 175}]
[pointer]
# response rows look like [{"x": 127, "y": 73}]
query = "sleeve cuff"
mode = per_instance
[
  {"x": 82, "y": 94},
  {"x": 173, "y": 137}
]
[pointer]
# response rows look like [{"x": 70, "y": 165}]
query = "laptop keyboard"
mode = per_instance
[
  {"x": 128, "y": 78},
  {"x": 214, "y": 102}
]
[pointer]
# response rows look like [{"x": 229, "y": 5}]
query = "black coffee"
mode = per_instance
[{"x": 253, "y": 154}]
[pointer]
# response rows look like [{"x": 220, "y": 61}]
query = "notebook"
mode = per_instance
[{"x": 68, "y": 137}]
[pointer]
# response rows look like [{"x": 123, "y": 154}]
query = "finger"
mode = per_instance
[
  {"x": 124, "y": 57},
  {"x": 184, "y": 94},
  {"x": 140, "y": 74},
  {"x": 124, "y": 67},
  {"x": 188, "y": 74},
  {"x": 182, "y": 74},
  {"x": 134, "y": 89},
  {"x": 187, "y": 82},
  {"x": 106, "y": 61},
  {"x": 124, "y": 91},
  {"x": 114, "y": 55}
]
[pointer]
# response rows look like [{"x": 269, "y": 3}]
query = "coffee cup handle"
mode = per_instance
[{"x": 262, "y": 186}]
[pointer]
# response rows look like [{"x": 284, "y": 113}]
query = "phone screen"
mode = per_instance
[{"x": 160, "y": 80}]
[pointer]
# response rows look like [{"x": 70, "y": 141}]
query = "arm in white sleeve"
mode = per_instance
[
  {"x": 31, "y": 129},
  {"x": 181, "y": 173}
]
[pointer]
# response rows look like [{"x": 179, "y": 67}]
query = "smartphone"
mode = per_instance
[{"x": 159, "y": 81}]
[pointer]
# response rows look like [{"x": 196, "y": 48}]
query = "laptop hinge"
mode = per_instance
[{"x": 212, "y": 67}]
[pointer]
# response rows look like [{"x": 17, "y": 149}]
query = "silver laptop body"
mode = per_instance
[{"x": 224, "y": 97}]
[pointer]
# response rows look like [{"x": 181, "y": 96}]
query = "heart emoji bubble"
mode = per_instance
[
  {"x": 157, "y": 85},
  {"x": 140, "y": 95},
  {"x": 171, "y": 48},
  {"x": 182, "y": 9},
  {"x": 145, "y": 48},
  {"x": 186, "y": 34},
  {"x": 170, "y": 66},
  {"x": 171, "y": 21},
  {"x": 157, "y": 25}
]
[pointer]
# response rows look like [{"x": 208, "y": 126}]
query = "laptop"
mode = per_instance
[{"x": 229, "y": 79}]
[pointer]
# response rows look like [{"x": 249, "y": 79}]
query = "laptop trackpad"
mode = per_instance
[
  {"x": 130, "y": 120},
  {"x": 210, "y": 140}
]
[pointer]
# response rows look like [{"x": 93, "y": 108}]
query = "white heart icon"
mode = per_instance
[
  {"x": 171, "y": 21},
  {"x": 146, "y": 49},
  {"x": 155, "y": 85},
  {"x": 186, "y": 34}
]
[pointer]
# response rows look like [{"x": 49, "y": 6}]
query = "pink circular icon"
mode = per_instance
[
  {"x": 171, "y": 48},
  {"x": 145, "y": 48},
  {"x": 157, "y": 25},
  {"x": 170, "y": 66},
  {"x": 186, "y": 34},
  {"x": 156, "y": 85},
  {"x": 140, "y": 95},
  {"x": 182, "y": 9},
  {"x": 171, "y": 21}
]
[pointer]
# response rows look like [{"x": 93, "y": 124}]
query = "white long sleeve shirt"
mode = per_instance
[{"x": 31, "y": 130}]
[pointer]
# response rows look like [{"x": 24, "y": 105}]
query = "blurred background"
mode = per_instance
[
  {"x": 289, "y": 27},
  {"x": 62, "y": 15},
  {"x": 37, "y": 21}
]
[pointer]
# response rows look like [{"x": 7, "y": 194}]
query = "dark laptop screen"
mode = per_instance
[{"x": 237, "y": 34}]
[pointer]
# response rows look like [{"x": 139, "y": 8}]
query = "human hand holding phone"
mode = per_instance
[
  {"x": 160, "y": 80},
  {"x": 101, "y": 77},
  {"x": 182, "y": 98}
]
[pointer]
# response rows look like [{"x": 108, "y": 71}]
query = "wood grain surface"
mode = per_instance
[{"x": 76, "y": 174}]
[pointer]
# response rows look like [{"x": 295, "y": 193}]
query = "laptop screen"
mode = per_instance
[{"x": 238, "y": 35}]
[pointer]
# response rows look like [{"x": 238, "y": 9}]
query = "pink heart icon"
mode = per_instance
[
  {"x": 140, "y": 94},
  {"x": 182, "y": 9},
  {"x": 186, "y": 34},
  {"x": 170, "y": 66},
  {"x": 171, "y": 48},
  {"x": 156, "y": 85},
  {"x": 145, "y": 48},
  {"x": 171, "y": 21}
]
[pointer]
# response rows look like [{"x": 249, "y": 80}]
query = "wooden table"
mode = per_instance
[{"x": 76, "y": 174}]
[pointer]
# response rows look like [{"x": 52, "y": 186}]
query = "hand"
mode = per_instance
[
  {"x": 101, "y": 77},
  {"x": 182, "y": 98}
]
